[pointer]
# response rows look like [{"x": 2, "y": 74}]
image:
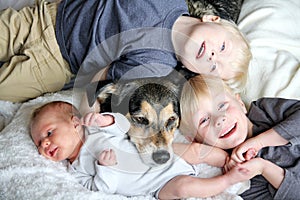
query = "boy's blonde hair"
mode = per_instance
[
  {"x": 241, "y": 62},
  {"x": 193, "y": 91}
]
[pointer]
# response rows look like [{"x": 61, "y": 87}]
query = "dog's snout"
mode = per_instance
[{"x": 161, "y": 156}]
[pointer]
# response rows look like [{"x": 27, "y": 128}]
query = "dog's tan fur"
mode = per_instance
[
  {"x": 156, "y": 136},
  {"x": 151, "y": 105}
]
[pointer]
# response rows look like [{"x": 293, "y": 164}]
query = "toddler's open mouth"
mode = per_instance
[{"x": 229, "y": 132}]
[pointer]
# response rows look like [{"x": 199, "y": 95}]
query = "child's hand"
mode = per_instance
[
  {"x": 247, "y": 170},
  {"x": 229, "y": 164},
  {"x": 107, "y": 158},
  {"x": 97, "y": 119},
  {"x": 251, "y": 167},
  {"x": 246, "y": 150}
]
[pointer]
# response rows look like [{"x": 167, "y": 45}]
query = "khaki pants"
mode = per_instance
[{"x": 33, "y": 64}]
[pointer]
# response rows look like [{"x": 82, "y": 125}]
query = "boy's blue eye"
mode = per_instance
[
  {"x": 223, "y": 47},
  {"x": 204, "y": 120},
  {"x": 49, "y": 133},
  {"x": 223, "y": 106}
]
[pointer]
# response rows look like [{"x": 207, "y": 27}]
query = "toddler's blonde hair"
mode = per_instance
[
  {"x": 240, "y": 63},
  {"x": 193, "y": 91}
]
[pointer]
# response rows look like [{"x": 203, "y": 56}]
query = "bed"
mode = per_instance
[{"x": 271, "y": 26}]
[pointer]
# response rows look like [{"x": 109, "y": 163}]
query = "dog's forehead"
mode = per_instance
[
  {"x": 158, "y": 91},
  {"x": 167, "y": 82},
  {"x": 157, "y": 111},
  {"x": 167, "y": 111},
  {"x": 126, "y": 95}
]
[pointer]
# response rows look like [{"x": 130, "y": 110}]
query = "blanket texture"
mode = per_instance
[
  {"x": 25, "y": 174},
  {"x": 272, "y": 28}
]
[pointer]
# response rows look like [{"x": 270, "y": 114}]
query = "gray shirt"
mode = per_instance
[
  {"x": 283, "y": 115},
  {"x": 126, "y": 34}
]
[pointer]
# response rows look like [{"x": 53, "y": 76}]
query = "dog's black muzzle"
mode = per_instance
[{"x": 161, "y": 156}]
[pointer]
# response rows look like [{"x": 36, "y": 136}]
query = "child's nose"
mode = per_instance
[
  {"x": 220, "y": 121},
  {"x": 45, "y": 143},
  {"x": 212, "y": 55}
]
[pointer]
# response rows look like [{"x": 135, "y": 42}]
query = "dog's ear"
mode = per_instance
[
  {"x": 176, "y": 79},
  {"x": 172, "y": 86},
  {"x": 184, "y": 74},
  {"x": 110, "y": 94},
  {"x": 103, "y": 88},
  {"x": 124, "y": 90}
]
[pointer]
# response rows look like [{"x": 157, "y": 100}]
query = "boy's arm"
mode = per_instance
[
  {"x": 196, "y": 153},
  {"x": 265, "y": 139},
  {"x": 259, "y": 166},
  {"x": 188, "y": 186},
  {"x": 270, "y": 138},
  {"x": 283, "y": 115},
  {"x": 273, "y": 173}
]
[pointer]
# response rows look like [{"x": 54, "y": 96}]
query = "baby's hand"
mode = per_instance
[
  {"x": 97, "y": 119},
  {"x": 107, "y": 158}
]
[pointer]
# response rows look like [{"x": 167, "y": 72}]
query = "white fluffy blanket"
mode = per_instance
[
  {"x": 272, "y": 27},
  {"x": 27, "y": 175}
]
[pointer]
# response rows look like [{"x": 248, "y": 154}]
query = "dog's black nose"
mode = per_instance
[{"x": 161, "y": 156}]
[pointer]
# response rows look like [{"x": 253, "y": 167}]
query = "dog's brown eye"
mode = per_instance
[
  {"x": 141, "y": 120},
  {"x": 171, "y": 120}
]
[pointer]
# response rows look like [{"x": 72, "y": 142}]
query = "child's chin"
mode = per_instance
[
  {"x": 231, "y": 144},
  {"x": 236, "y": 143}
]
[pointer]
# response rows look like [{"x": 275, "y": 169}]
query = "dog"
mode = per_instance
[
  {"x": 228, "y": 10},
  {"x": 151, "y": 105}
]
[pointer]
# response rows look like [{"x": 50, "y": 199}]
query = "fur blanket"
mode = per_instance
[{"x": 272, "y": 28}]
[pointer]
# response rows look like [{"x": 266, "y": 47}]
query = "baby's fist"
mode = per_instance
[{"x": 107, "y": 158}]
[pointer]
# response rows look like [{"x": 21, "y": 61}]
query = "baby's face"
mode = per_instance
[
  {"x": 221, "y": 121},
  {"x": 210, "y": 50},
  {"x": 55, "y": 137}
]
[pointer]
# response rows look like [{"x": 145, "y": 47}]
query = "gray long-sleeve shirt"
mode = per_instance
[
  {"x": 128, "y": 35},
  {"x": 283, "y": 115}
]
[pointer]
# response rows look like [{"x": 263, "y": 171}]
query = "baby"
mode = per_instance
[{"x": 103, "y": 159}]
